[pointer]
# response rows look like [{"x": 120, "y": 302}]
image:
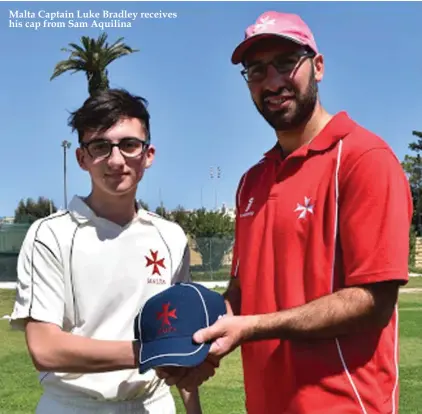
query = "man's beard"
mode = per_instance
[{"x": 287, "y": 119}]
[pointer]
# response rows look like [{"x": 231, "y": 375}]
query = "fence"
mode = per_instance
[
  {"x": 210, "y": 256},
  {"x": 11, "y": 238}
]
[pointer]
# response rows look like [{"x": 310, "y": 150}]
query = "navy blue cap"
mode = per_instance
[{"x": 166, "y": 323}]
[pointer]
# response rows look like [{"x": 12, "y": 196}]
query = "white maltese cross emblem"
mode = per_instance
[
  {"x": 306, "y": 208},
  {"x": 263, "y": 25}
]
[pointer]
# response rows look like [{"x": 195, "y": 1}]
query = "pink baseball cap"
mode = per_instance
[{"x": 275, "y": 24}]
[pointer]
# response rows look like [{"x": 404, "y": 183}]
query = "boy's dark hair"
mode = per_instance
[{"x": 105, "y": 108}]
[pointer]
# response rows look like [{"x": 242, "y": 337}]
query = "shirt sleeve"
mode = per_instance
[
  {"x": 375, "y": 213},
  {"x": 183, "y": 273},
  {"x": 40, "y": 289}
]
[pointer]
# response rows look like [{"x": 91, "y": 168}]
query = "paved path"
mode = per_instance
[{"x": 410, "y": 290}]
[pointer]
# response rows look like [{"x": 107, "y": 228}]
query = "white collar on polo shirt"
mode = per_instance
[{"x": 84, "y": 214}]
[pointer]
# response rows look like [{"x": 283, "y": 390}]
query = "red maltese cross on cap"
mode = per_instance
[{"x": 166, "y": 324}]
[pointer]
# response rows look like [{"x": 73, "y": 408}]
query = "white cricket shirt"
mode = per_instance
[{"x": 91, "y": 277}]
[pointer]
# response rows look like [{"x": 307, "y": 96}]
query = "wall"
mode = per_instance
[{"x": 418, "y": 258}]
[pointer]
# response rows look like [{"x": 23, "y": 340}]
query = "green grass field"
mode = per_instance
[{"x": 19, "y": 388}]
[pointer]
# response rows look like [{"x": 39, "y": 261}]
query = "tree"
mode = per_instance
[
  {"x": 180, "y": 216},
  {"x": 412, "y": 165},
  {"x": 29, "y": 211},
  {"x": 213, "y": 234},
  {"x": 143, "y": 204},
  {"x": 416, "y": 146},
  {"x": 92, "y": 58},
  {"x": 161, "y": 211}
]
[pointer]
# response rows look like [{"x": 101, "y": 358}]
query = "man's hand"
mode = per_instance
[{"x": 226, "y": 334}]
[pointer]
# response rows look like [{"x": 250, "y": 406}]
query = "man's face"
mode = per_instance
[
  {"x": 120, "y": 172},
  {"x": 286, "y": 100}
]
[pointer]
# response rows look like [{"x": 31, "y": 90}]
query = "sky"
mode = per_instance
[{"x": 202, "y": 115}]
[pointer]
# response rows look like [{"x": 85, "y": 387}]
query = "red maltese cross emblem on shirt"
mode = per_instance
[
  {"x": 155, "y": 262},
  {"x": 166, "y": 314}
]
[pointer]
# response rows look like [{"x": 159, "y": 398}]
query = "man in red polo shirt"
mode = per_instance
[
  {"x": 322, "y": 234},
  {"x": 321, "y": 245}
]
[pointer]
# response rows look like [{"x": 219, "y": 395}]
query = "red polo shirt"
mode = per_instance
[{"x": 335, "y": 213}]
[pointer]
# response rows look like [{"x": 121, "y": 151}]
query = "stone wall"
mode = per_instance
[{"x": 418, "y": 255}]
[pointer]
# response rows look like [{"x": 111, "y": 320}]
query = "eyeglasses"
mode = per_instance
[
  {"x": 284, "y": 64},
  {"x": 101, "y": 148}
]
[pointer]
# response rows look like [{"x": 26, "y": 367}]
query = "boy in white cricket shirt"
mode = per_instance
[{"x": 84, "y": 273}]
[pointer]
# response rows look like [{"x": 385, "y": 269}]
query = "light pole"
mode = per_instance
[
  {"x": 161, "y": 202},
  {"x": 202, "y": 200},
  {"x": 66, "y": 145},
  {"x": 217, "y": 176}
]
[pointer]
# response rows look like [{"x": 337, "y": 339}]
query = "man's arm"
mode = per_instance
[
  {"x": 232, "y": 296},
  {"x": 345, "y": 312}
]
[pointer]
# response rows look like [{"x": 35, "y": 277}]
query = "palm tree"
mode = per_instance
[{"x": 92, "y": 58}]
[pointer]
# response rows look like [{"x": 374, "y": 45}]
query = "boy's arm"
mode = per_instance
[
  {"x": 39, "y": 311},
  {"x": 191, "y": 401},
  {"x": 53, "y": 350}
]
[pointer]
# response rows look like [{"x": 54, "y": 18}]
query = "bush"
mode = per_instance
[{"x": 221, "y": 274}]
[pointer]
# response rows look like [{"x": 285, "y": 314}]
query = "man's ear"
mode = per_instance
[
  {"x": 81, "y": 158},
  {"x": 149, "y": 156},
  {"x": 318, "y": 63}
]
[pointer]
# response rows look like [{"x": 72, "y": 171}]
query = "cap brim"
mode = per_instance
[
  {"x": 240, "y": 50},
  {"x": 172, "y": 351}
]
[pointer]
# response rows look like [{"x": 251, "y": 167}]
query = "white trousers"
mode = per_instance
[{"x": 52, "y": 405}]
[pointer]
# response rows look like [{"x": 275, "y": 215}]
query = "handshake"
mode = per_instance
[{"x": 165, "y": 328}]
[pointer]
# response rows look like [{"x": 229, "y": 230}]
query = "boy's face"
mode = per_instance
[{"x": 116, "y": 174}]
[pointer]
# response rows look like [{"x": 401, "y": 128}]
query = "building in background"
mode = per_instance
[{"x": 231, "y": 212}]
